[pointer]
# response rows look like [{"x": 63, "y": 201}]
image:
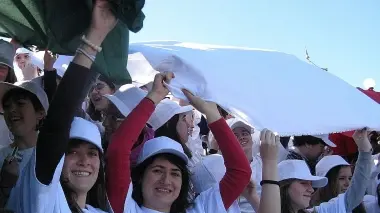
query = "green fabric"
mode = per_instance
[{"x": 58, "y": 25}]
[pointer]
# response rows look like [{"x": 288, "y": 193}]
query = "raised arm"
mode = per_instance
[
  {"x": 238, "y": 171},
  {"x": 54, "y": 135},
  {"x": 355, "y": 193},
  {"x": 119, "y": 150},
  {"x": 270, "y": 201}
]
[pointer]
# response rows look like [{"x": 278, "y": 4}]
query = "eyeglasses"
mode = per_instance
[{"x": 98, "y": 86}]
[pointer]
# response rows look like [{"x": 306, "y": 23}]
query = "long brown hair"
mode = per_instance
[
  {"x": 330, "y": 191},
  {"x": 96, "y": 197},
  {"x": 286, "y": 201}
]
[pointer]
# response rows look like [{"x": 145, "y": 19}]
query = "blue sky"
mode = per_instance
[{"x": 341, "y": 35}]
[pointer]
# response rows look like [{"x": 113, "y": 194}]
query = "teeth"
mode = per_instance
[
  {"x": 81, "y": 174},
  {"x": 163, "y": 190}
]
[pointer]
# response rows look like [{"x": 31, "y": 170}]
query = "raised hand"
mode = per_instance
[
  {"x": 362, "y": 140},
  {"x": 269, "y": 145},
  {"x": 159, "y": 90}
]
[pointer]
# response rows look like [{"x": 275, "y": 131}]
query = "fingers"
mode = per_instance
[
  {"x": 168, "y": 76},
  {"x": 268, "y": 137}
]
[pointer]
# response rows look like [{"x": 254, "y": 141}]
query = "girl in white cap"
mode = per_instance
[
  {"x": 25, "y": 60},
  {"x": 297, "y": 183},
  {"x": 339, "y": 174},
  {"x": 161, "y": 178},
  {"x": 65, "y": 171},
  {"x": 122, "y": 102},
  {"x": 24, "y": 105}
]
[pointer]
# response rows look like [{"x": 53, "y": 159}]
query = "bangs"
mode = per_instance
[{"x": 19, "y": 94}]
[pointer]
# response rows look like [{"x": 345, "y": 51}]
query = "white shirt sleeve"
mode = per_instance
[{"x": 335, "y": 205}]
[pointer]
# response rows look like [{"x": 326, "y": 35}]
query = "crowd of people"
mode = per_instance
[{"x": 80, "y": 143}]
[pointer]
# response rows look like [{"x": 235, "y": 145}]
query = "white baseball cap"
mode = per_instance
[
  {"x": 326, "y": 139},
  {"x": 329, "y": 162},
  {"x": 208, "y": 172},
  {"x": 126, "y": 98},
  {"x": 298, "y": 169},
  {"x": 161, "y": 145},
  {"x": 165, "y": 110},
  {"x": 87, "y": 131},
  {"x": 235, "y": 123},
  {"x": 29, "y": 86}
]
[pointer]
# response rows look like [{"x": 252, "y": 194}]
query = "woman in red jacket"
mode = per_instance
[{"x": 161, "y": 177}]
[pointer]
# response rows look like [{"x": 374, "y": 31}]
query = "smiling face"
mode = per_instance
[
  {"x": 185, "y": 125},
  {"x": 22, "y": 112},
  {"x": 300, "y": 192},
  {"x": 344, "y": 179},
  {"x": 245, "y": 139},
  {"x": 81, "y": 166},
  {"x": 161, "y": 184},
  {"x": 99, "y": 89}
]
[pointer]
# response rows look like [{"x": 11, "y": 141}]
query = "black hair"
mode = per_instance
[
  {"x": 183, "y": 201},
  {"x": 307, "y": 139},
  {"x": 96, "y": 196},
  {"x": 17, "y": 94},
  {"x": 169, "y": 129}
]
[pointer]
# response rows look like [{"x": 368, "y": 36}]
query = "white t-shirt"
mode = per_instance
[
  {"x": 371, "y": 204},
  {"x": 209, "y": 201},
  {"x": 22, "y": 156},
  {"x": 5, "y": 134},
  {"x": 335, "y": 205},
  {"x": 31, "y": 196}
]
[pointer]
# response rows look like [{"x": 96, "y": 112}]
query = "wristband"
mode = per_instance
[{"x": 273, "y": 182}]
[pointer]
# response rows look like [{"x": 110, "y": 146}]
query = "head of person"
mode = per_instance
[
  {"x": 339, "y": 174},
  {"x": 296, "y": 185},
  {"x": 83, "y": 167},
  {"x": 374, "y": 138},
  {"x": 7, "y": 73},
  {"x": 243, "y": 133},
  {"x": 22, "y": 57},
  {"x": 161, "y": 180},
  {"x": 98, "y": 103},
  {"x": 24, "y": 105},
  {"x": 173, "y": 121},
  {"x": 311, "y": 147},
  {"x": 121, "y": 103}
]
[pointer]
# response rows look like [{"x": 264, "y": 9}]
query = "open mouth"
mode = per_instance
[
  {"x": 163, "y": 190},
  {"x": 81, "y": 173}
]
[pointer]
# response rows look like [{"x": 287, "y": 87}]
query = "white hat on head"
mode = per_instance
[
  {"x": 161, "y": 145},
  {"x": 87, "y": 131},
  {"x": 235, "y": 123},
  {"x": 329, "y": 162},
  {"x": 208, "y": 172},
  {"x": 326, "y": 139},
  {"x": 298, "y": 169},
  {"x": 126, "y": 98},
  {"x": 165, "y": 110},
  {"x": 29, "y": 86}
]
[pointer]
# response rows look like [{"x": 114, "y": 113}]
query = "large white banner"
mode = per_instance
[{"x": 267, "y": 89}]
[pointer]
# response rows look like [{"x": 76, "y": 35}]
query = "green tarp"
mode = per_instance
[{"x": 59, "y": 24}]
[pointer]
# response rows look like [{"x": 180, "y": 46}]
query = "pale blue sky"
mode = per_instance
[{"x": 341, "y": 35}]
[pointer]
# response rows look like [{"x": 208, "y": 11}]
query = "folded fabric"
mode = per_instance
[
  {"x": 267, "y": 89},
  {"x": 59, "y": 24}
]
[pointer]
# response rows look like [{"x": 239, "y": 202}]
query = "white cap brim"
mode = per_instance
[
  {"x": 326, "y": 139},
  {"x": 316, "y": 181},
  {"x": 177, "y": 153},
  {"x": 118, "y": 104}
]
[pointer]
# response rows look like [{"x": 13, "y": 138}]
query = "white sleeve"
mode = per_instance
[
  {"x": 209, "y": 201},
  {"x": 30, "y": 195},
  {"x": 335, "y": 205}
]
